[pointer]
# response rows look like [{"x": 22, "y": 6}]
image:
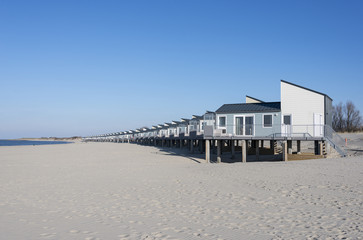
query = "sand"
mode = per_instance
[
  {"x": 126, "y": 191},
  {"x": 354, "y": 143}
]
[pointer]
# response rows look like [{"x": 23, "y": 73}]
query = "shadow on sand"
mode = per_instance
[{"x": 226, "y": 157}]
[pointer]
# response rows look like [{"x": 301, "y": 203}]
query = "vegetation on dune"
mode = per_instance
[{"x": 346, "y": 118}]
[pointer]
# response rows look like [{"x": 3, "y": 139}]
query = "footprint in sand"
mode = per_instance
[{"x": 47, "y": 235}]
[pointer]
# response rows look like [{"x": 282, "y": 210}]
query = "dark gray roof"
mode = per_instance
[
  {"x": 197, "y": 117},
  {"x": 250, "y": 107}
]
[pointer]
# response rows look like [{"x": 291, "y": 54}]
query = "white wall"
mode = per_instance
[{"x": 301, "y": 103}]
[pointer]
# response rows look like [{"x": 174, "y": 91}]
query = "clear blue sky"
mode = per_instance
[{"x": 90, "y": 67}]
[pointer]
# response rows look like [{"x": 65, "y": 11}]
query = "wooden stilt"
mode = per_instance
[
  {"x": 207, "y": 151},
  {"x": 219, "y": 152},
  {"x": 298, "y": 146},
  {"x": 244, "y": 152},
  {"x": 284, "y": 151},
  {"x": 257, "y": 150}
]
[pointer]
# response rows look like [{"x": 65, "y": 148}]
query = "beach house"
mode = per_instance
[
  {"x": 304, "y": 111},
  {"x": 302, "y": 114}
]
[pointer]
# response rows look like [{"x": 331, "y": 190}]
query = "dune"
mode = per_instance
[{"x": 127, "y": 191}]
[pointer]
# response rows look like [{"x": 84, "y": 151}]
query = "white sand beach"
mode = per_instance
[{"x": 127, "y": 191}]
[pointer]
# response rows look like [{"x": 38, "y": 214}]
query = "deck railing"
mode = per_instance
[{"x": 263, "y": 130}]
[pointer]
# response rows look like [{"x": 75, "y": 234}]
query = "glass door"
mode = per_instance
[
  {"x": 249, "y": 126},
  {"x": 239, "y": 125}
]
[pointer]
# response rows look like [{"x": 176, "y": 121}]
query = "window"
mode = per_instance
[
  {"x": 209, "y": 116},
  {"x": 287, "y": 119},
  {"x": 222, "y": 121},
  {"x": 267, "y": 120}
]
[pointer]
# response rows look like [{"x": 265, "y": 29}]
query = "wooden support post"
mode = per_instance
[
  {"x": 244, "y": 151},
  {"x": 320, "y": 148},
  {"x": 207, "y": 151},
  {"x": 257, "y": 150},
  {"x": 262, "y": 143},
  {"x": 284, "y": 151},
  {"x": 232, "y": 149},
  {"x": 180, "y": 143},
  {"x": 298, "y": 146},
  {"x": 219, "y": 152},
  {"x": 191, "y": 146}
]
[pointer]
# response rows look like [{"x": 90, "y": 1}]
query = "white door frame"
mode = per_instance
[
  {"x": 318, "y": 125},
  {"x": 286, "y": 129},
  {"x": 244, "y": 124}
]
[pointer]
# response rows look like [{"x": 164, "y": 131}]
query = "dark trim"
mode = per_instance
[
  {"x": 308, "y": 89},
  {"x": 255, "y": 99},
  {"x": 247, "y": 103},
  {"x": 267, "y": 111}
]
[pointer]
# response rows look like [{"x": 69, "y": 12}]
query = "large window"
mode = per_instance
[
  {"x": 244, "y": 125},
  {"x": 267, "y": 120},
  {"x": 222, "y": 121},
  {"x": 209, "y": 116}
]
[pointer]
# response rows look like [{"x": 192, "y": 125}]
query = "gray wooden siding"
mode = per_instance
[{"x": 258, "y": 123}]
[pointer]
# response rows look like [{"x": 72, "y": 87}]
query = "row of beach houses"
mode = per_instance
[{"x": 302, "y": 114}]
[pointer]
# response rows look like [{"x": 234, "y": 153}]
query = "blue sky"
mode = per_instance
[{"x": 90, "y": 67}]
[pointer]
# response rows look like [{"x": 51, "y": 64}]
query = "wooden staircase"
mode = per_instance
[{"x": 324, "y": 149}]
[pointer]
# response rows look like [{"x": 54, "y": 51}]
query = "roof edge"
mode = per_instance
[
  {"x": 277, "y": 110},
  {"x": 249, "y": 103}
]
